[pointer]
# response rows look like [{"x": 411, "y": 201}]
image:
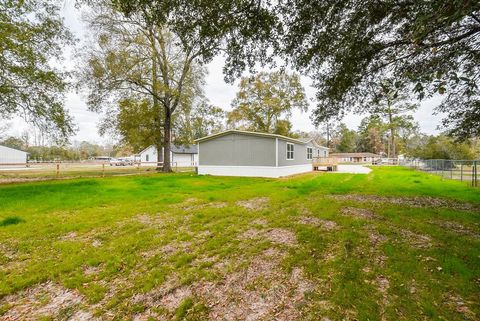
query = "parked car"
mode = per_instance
[{"x": 120, "y": 162}]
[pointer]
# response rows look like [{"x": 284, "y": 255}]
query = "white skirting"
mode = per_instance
[{"x": 253, "y": 171}]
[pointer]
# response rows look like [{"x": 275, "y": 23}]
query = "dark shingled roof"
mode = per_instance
[{"x": 181, "y": 149}]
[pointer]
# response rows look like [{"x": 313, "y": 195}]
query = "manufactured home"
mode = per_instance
[
  {"x": 181, "y": 156},
  {"x": 11, "y": 156},
  {"x": 243, "y": 153}
]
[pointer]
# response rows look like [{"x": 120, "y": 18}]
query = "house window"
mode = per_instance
[
  {"x": 324, "y": 153},
  {"x": 309, "y": 152},
  {"x": 289, "y": 151},
  {"x": 147, "y": 157}
]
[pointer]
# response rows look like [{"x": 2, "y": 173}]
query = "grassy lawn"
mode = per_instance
[{"x": 395, "y": 245}]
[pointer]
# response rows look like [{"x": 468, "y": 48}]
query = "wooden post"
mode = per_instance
[
  {"x": 103, "y": 169},
  {"x": 461, "y": 172},
  {"x": 58, "y": 170},
  {"x": 475, "y": 171}
]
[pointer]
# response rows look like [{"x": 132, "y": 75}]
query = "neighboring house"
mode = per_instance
[
  {"x": 243, "y": 153},
  {"x": 181, "y": 156},
  {"x": 366, "y": 158},
  {"x": 12, "y": 156}
]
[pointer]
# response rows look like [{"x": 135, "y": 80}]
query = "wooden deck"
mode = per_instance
[{"x": 325, "y": 163}]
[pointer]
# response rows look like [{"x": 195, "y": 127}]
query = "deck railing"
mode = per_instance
[{"x": 329, "y": 163}]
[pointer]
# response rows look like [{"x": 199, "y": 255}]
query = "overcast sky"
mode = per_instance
[{"x": 218, "y": 92}]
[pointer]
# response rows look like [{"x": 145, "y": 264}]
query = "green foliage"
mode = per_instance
[
  {"x": 348, "y": 140},
  {"x": 346, "y": 47},
  {"x": 372, "y": 135},
  {"x": 201, "y": 120},
  {"x": 442, "y": 147},
  {"x": 137, "y": 123},
  {"x": 32, "y": 36},
  {"x": 13, "y": 142},
  {"x": 265, "y": 102}
]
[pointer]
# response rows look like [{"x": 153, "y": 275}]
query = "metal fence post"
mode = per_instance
[{"x": 461, "y": 172}]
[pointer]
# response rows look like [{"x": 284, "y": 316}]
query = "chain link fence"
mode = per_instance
[{"x": 462, "y": 170}]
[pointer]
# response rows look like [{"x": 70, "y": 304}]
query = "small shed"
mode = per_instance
[
  {"x": 12, "y": 156},
  {"x": 244, "y": 153}
]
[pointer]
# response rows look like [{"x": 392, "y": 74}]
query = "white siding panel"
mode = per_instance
[
  {"x": 253, "y": 171},
  {"x": 9, "y": 155}
]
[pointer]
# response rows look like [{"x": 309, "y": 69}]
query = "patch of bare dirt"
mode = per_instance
[
  {"x": 260, "y": 221},
  {"x": 44, "y": 300},
  {"x": 358, "y": 212},
  {"x": 332, "y": 251},
  {"x": 218, "y": 204},
  {"x": 375, "y": 237},
  {"x": 69, "y": 236},
  {"x": 416, "y": 240},
  {"x": 457, "y": 228},
  {"x": 315, "y": 221},
  {"x": 281, "y": 236},
  {"x": 174, "y": 247},
  {"x": 457, "y": 303},
  {"x": 261, "y": 291},
  {"x": 417, "y": 201},
  {"x": 92, "y": 270},
  {"x": 275, "y": 235},
  {"x": 383, "y": 285},
  {"x": 251, "y": 234},
  {"x": 305, "y": 211},
  {"x": 173, "y": 299},
  {"x": 254, "y": 204},
  {"x": 7, "y": 252},
  {"x": 194, "y": 204}
]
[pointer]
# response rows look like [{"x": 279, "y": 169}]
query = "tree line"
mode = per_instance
[{"x": 372, "y": 135}]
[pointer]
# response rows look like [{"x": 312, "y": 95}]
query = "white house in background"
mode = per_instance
[
  {"x": 12, "y": 156},
  {"x": 365, "y": 158},
  {"x": 181, "y": 156}
]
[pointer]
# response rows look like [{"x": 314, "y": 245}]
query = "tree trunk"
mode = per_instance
[
  {"x": 392, "y": 134},
  {"x": 159, "y": 158},
  {"x": 166, "y": 140}
]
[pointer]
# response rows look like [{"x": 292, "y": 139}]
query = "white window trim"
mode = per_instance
[
  {"x": 293, "y": 151},
  {"x": 311, "y": 153}
]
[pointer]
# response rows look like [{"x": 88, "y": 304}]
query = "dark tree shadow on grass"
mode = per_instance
[{"x": 11, "y": 220}]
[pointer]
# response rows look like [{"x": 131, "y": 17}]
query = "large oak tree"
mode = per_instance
[{"x": 141, "y": 63}]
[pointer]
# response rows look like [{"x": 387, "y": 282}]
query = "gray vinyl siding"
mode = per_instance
[
  {"x": 238, "y": 150},
  {"x": 299, "y": 154},
  {"x": 323, "y": 152}
]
